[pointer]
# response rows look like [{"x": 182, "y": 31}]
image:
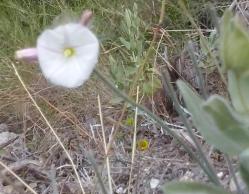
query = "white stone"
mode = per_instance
[
  {"x": 120, "y": 190},
  {"x": 154, "y": 183},
  {"x": 6, "y": 136},
  {"x": 220, "y": 174}
]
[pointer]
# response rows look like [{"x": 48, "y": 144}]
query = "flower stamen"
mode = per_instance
[{"x": 69, "y": 52}]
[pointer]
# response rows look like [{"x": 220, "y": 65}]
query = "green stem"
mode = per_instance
[
  {"x": 95, "y": 167},
  {"x": 166, "y": 82},
  {"x": 232, "y": 174}
]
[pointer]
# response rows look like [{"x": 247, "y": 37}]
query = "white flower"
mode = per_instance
[{"x": 67, "y": 54}]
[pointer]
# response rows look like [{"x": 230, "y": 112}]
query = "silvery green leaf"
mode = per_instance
[
  {"x": 128, "y": 18},
  {"x": 192, "y": 188},
  {"x": 244, "y": 89},
  {"x": 234, "y": 45},
  {"x": 238, "y": 87},
  {"x": 244, "y": 166},
  {"x": 228, "y": 121},
  {"x": 233, "y": 88},
  {"x": 204, "y": 123}
]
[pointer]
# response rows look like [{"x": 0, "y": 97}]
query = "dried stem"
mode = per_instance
[
  {"x": 134, "y": 142},
  {"x": 105, "y": 147}
]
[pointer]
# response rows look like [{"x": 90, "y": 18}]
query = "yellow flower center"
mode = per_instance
[
  {"x": 69, "y": 52},
  {"x": 143, "y": 144}
]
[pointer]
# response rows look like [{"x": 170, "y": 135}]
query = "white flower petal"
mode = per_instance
[
  {"x": 87, "y": 52},
  {"x": 52, "y": 39},
  {"x": 81, "y": 35},
  {"x": 69, "y": 75},
  {"x": 68, "y": 71}
]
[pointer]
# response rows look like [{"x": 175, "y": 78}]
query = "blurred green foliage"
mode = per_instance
[{"x": 223, "y": 122}]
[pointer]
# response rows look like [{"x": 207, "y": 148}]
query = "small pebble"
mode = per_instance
[
  {"x": 154, "y": 183},
  {"x": 120, "y": 190},
  {"x": 220, "y": 175},
  {"x": 188, "y": 176}
]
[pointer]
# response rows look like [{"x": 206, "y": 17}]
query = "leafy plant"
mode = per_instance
[
  {"x": 133, "y": 53},
  {"x": 224, "y": 124}
]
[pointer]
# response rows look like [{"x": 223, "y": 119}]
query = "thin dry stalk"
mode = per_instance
[
  {"x": 49, "y": 125},
  {"x": 105, "y": 147},
  {"x": 134, "y": 142},
  {"x": 17, "y": 177}
]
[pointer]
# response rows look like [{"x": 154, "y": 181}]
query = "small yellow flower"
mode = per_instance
[{"x": 143, "y": 144}]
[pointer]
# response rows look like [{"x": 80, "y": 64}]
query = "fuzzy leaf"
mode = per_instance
[
  {"x": 227, "y": 121},
  {"x": 244, "y": 166},
  {"x": 238, "y": 87},
  {"x": 192, "y": 188},
  {"x": 234, "y": 92},
  {"x": 234, "y": 45},
  {"x": 204, "y": 123}
]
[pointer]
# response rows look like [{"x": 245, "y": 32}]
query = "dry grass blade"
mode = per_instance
[
  {"x": 49, "y": 125},
  {"x": 105, "y": 147},
  {"x": 133, "y": 143},
  {"x": 17, "y": 177}
]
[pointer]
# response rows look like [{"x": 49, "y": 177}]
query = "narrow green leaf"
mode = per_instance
[
  {"x": 192, "y": 188},
  {"x": 244, "y": 166},
  {"x": 204, "y": 123},
  {"x": 125, "y": 43},
  {"x": 227, "y": 121}
]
